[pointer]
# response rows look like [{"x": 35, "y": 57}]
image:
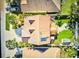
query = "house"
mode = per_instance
[
  {"x": 37, "y": 6},
  {"x": 36, "y": 29}
]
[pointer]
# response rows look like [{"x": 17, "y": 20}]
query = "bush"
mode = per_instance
[
  {"x": 62, "y": 21},
  {"x": 16, "y": 20},
  {"x": 24, "y": 44},
  {"x": 67, "y": 52},
  {"x": 59, "y": 23},
  {"x": 11, "y": 44}
]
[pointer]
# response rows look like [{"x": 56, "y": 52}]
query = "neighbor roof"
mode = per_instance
[
  {"x": 23, "y": 1},
  {"x": 40, "y": 6},
  {"x": 49, "y": 53}
]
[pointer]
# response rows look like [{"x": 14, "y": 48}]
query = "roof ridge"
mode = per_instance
[{"x": 54, "y": 1}]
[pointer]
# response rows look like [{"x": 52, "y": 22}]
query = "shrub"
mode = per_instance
[
  {"x": 67, "y": 52},
  {"x": 11, "y": 44}
]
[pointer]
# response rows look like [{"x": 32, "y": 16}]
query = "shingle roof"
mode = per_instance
[
  {"x": 40, "y": 6},
  {"x": 38, "y": 29}
]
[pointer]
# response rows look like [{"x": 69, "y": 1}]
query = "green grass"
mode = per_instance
[
  {"x": 63, "y": 35},
  {"x": 7, "y": 22},
  {"x": 62, "y": 20},
  {"x": 66, "y": 7}
]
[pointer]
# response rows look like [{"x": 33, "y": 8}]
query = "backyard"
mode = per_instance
[{"x": 64, "y": 33}]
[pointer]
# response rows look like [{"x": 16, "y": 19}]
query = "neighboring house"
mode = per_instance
[
  {"x": 36, "y": 29},
  {"x": 51, "y": 52},
  {"x": 36, "y": 6}
]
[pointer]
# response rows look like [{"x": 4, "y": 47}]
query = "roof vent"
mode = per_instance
[
  {"x": 31, "y": 31},
  {"x": 31, "y": 21}
]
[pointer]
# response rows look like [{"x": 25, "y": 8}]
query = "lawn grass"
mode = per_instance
[
  {"x": 7, "y": 22},
  {"x": 65, "y": 34},
  {"x": 66, "y": 7}
]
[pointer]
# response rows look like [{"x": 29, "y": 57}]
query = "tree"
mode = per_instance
[
  {"x": 75, "y": 11},
  {"x": 17, "y": 20},
  {"x": 59, "y": 23}
]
